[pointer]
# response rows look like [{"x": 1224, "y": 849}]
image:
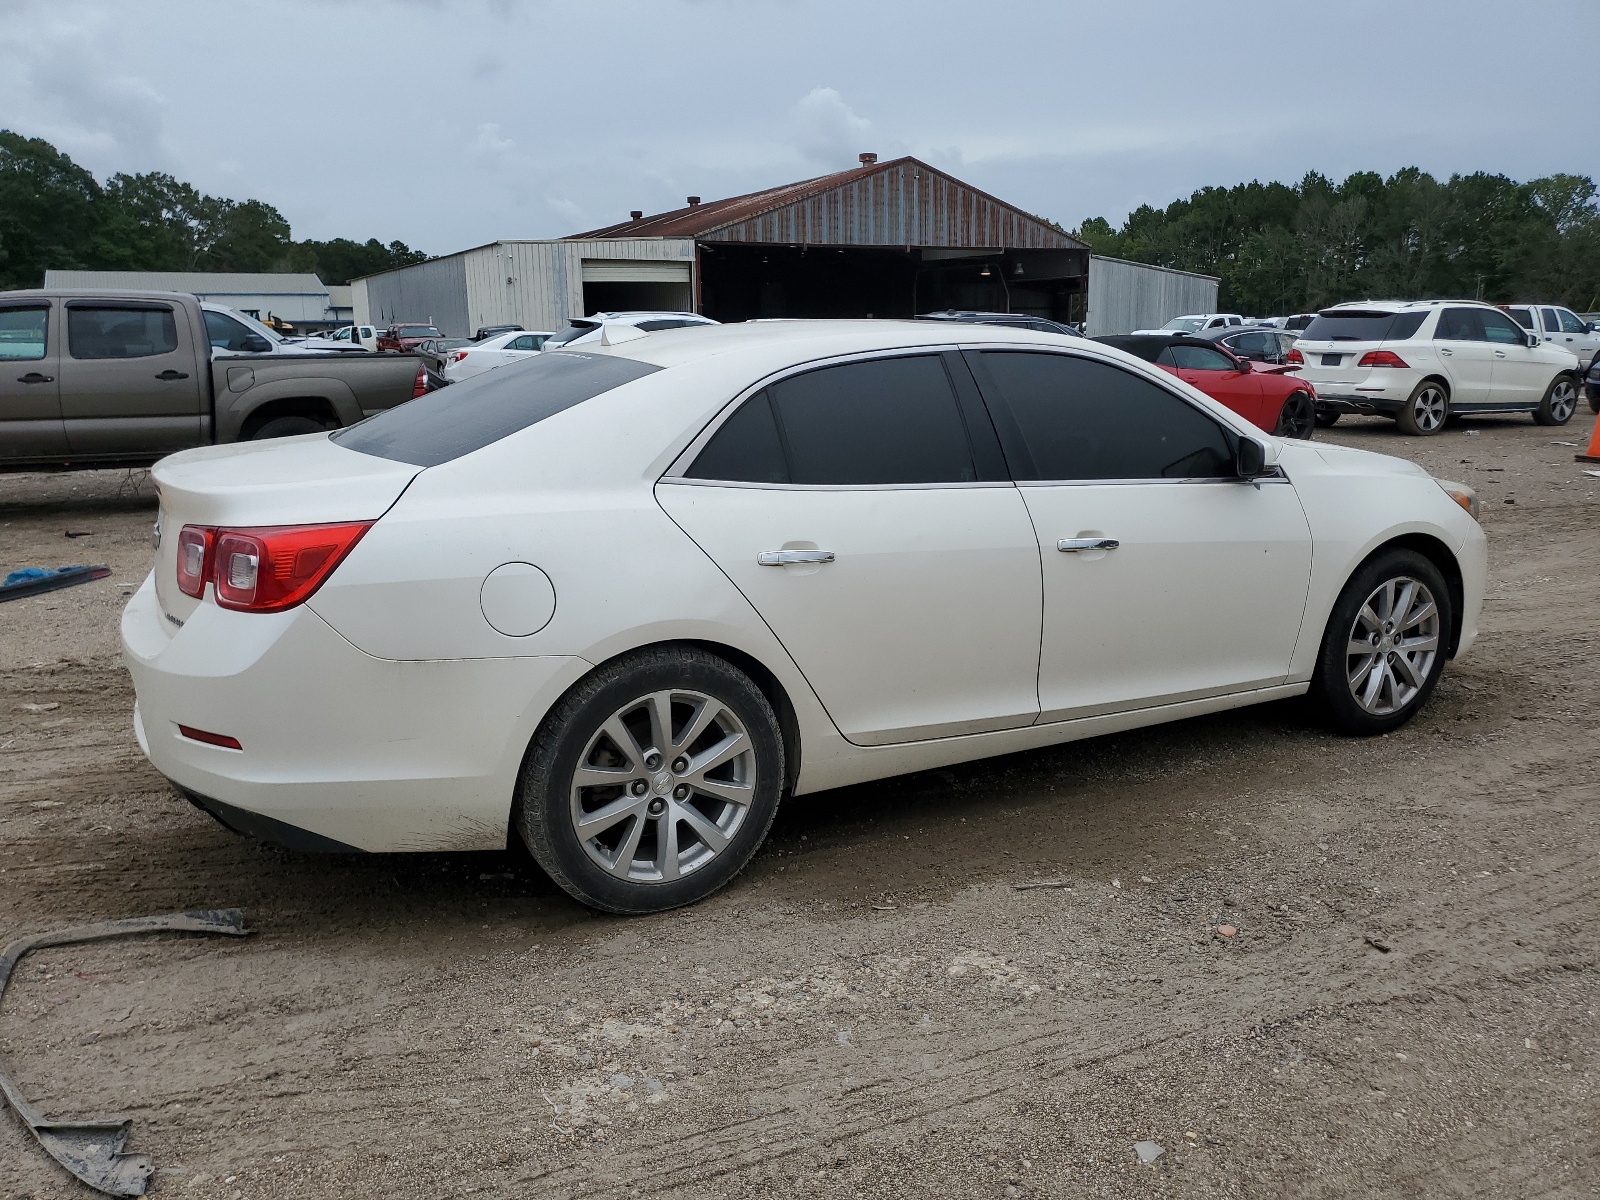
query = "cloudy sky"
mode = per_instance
[{"x": 449, "y": 123}]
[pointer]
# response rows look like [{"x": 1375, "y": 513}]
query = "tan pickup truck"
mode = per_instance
[{"x": 113, "y": 378}]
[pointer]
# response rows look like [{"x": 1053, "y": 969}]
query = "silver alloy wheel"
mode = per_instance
[
  {"x": 663, "y": 786},
  {"x": 1563, "y": 400},
  {"x": 1428, "y": 408},
  {"x": 1392, "y": 645}
]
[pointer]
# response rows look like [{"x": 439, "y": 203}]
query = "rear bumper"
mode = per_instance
[
  {"x": 340, "y": 750},
  {"x": 1336, "y": 402}
]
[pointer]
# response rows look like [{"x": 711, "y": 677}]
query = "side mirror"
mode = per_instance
[
  {"x": 1533, "y": 341},
  {"x": 1250, "y": 460},
  {"x": 256, "y": 344}
]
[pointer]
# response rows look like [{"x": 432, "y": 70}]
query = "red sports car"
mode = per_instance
[{"x": 1271, "y": 397}]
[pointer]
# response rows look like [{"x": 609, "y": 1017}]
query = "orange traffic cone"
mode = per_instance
[{"x": 1592, "y": 454}]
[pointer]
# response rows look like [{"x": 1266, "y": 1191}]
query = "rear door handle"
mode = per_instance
[
  {"x": 1447, "y": 353},
  {"x": 35, "y": 377},
  {"x": 169, "y": 375},
  {"x": 780, "y": 558},
  {"x": 1073, "y": 545}
]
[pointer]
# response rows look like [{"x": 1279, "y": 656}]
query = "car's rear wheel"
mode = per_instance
[
  {"x": 286, "y": 427},
  {"x": 1559, "y": 403},
  {"x": 1386, "y": 643},
  {"x": 1298, "y": 417},
  {"x": 652, "y": 783},
  {"x": 1327, "y": 420},
  {"x": 1425, "y": 413}
]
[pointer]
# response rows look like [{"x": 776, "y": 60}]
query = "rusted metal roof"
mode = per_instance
[{"x": 903, "y": 202}]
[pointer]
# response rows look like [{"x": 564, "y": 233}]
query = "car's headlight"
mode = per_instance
[{"x": 1461, "y": 494}]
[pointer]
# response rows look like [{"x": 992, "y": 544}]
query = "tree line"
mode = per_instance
[
  {"x": 54, "y": 215},
  {"x": 1282, "y": 248}
]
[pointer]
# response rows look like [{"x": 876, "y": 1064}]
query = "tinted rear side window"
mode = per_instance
[
  {"x": 885, "y": 421},
  {"x": 467, "y": 416},
  {"x": 746, "y": 449},
  {"x": 120, "y": 332},
  {"x": 1080, "y": 419},
  {"x": 1353, "y": 327},
  {"x": 1459, "y": 325}
]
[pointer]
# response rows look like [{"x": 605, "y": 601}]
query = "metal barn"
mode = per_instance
[{"x": 1124, "y": 296}]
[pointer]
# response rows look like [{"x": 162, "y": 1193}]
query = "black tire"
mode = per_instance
[
  {"x": 286, "y": 427},
  {"x": 1426, "y": 410},
  {"x": 1559, "y": 403},
  {"x": 1298, "y": 417},
  {"x": 1327, "y": 420},
  {"x": 1594, "y": 399},
  {"x": 573, "y": 733},
  {"x": 1333, "y": 685}
]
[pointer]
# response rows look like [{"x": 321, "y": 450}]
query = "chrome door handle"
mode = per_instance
[
  {"x": 1447, "y": 353},
  {"x": 1499, "y": 353},
  {"x": 781, "y": 558},
  {"x": 1073, "y": 545}
]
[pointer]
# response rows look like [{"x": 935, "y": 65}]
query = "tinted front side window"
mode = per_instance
[
  {"x": 746, "y": 449},
  {"x": 1497, "y": 327},
  {"x": 1199, "y": 358},
  {"x": 109, "y": 332},
  {"x": 1080, "y": 419},
  {"x": 22, "y": 333},
  {"x": 1569, "y": 321},
  {"x": 467, "y": 416},
  {"x": 1460, "y": 325},
  {"x": 885, "y": 421}
]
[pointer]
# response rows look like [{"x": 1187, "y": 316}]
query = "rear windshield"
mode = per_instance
[
  {"x": 572, "y": 333},
  {"x": 470, "y": 415},
  {"x": 1363, "y": 326},
  {"x": 416, "y": 331}
]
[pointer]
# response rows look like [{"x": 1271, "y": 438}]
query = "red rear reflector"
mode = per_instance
[
  {"x": 420, "y": 387},
  {"x": 276, "y": 567},
  {"x": 194, "y": 559},
  {"x": 1381, "y": 358},
  {"x": 210, "y": 739},
  {"x": 1294, "y": 356}
]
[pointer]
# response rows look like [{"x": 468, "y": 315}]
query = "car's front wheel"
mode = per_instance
[
  {"x": 652, "y": 783},
  {"x": 1427, "y": 409},
  {"x": 1298, "y": 417},
  {"x": 1559, "y": 403},
  {"x": 1386, "y": 643}
]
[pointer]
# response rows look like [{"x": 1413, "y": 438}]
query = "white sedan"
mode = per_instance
[
  {"x": 620, "y": 601},
  {"x": 498, "y": 351}
]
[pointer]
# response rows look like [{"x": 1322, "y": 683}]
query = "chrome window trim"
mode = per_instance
[{"x": 680, "y": 464}]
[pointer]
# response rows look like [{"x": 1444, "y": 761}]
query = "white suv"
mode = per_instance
[
  {"x": 1199, "y": 324},
  {"x": 1423, "y": 361}
]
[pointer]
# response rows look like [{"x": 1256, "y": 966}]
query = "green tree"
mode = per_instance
[{"x": 48, "y": 211}]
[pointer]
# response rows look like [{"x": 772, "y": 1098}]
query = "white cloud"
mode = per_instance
[{"x": 828, "y": 131}]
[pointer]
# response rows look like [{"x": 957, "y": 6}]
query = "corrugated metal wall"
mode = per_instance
[
  {"x": 539, "y": 285},
  {"x": 903, "y": 207},
  {"x": 1124, "y": 296},
  {"x": 433, "y": 291}
]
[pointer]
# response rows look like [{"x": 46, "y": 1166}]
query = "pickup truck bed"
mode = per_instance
[{"x": 114, "y": 378}]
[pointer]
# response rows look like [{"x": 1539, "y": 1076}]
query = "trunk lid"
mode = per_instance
[{"x": 286, "y": 481}]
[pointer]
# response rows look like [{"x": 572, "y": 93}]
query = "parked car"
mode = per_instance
[
  {"x": 435, "y": 352},
  {"x": 109, "y": 377},
  {"x": 1005, "y": 320},
  {"x": 1197, "y": 323},
  {"x": 1591, "y": 386},
  {"x": 587, "y": 329},
  {"x": 1423, "y": 361},
  {"x": 1265, "y": 345},
  {"x": 489, "y": 331},
  {"x": 474, "y": 358},
  {"x": 1294, "y": 323},
  {"x": 1271, "y": 398},
  {"x": 852, "y": 550},
  {"x": 352, "y": 337},
  {"x": 232, "y": 332},
  {"x": 1560, "y": 327},
  {"x": 406, "y": 337}
]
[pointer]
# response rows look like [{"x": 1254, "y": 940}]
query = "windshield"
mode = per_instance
[
  {"x": 1185, "y": 324},
  {"x": 1357, "y": 326},
  {"x": 467, "y": 416}
]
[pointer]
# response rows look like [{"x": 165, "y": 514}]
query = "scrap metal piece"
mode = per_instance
[{"x": 92, "y": 1149}]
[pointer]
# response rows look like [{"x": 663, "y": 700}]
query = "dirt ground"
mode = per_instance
[{"x": 1408, "y": 1008}]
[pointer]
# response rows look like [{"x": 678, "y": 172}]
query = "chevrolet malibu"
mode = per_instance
[{"x": 618, "y": 601}]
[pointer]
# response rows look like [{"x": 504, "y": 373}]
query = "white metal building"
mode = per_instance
[
  {"x": 1124, "y": 296},
  {"x": 303, "y": 300},
  {"x": 536, "y": 284}
]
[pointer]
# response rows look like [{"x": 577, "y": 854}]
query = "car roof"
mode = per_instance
[{"x": 1395, "y": 306}]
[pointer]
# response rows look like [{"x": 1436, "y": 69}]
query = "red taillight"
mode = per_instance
[
  {"x": 420, "y": 387},
  {"x": 194, "y": 559},
  {"x": 1294, "y": 356},
  {"x": 210, "y": 739},
  {"x": 277, "y": 567},
  {"x": 1381, "y": 358},
  {"x": 458, "y": 356}
]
